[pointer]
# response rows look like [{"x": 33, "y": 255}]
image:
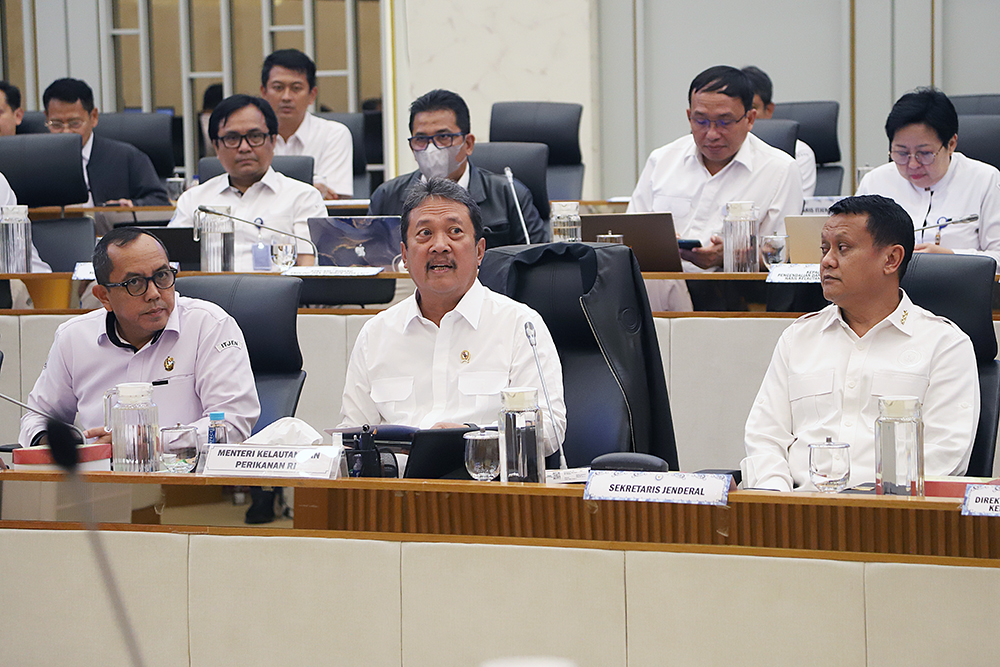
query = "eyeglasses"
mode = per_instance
[
  {"x": 137, "y": 285},
  {"x": 722, "y": 124},
  {"x": 255, "y": 139},
  {"x": 902, "y": 158},
  {"x": 442, "y": 140},
  {"x": 59, "y": 125}
]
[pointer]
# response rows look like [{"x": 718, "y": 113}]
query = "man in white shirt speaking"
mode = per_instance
[
  {"x": 288, "y": 83},
  {"x": 243, "y": 128},
  {"x": 830, "y": 368},
  {"x": 441, "y": 357},
  {"x": 695, "y": 177},
  {"x": 191, "y": 350}
]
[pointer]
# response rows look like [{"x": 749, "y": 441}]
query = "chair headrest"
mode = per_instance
[
  {"x": 817, "y": 126},
  {"x": 556, "y": 124},
  {"x": 44, "y": 169},
  {"x": 778, "y": 132}
]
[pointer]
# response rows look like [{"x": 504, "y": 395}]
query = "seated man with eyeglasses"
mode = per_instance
[
  {"x": 442, "y": 143},
  {"x": 117, "y": 173},
  {"x": 191, "y": 350},
  {"x": 933, "y": 182},
  {"x": 695, "y": 177},
  {"x": 242, "y": 129}
]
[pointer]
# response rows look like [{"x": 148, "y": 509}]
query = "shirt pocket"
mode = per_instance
[
  {"x": 479, "y": 393},
  {"x": 678, "y": 206},
  {"x": 811, "y": 397},
  {"x": 888, "y": 383},
  {"x": 176, "y": 399},
  {"x": 393, "y": 397}
]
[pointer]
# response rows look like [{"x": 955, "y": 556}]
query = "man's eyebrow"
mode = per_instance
[{"x": 136, "y": 274}]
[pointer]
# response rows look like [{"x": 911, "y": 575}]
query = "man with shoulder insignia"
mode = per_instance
[
  {"x": 830, "y": 368},
  {"x": 191, "y": 350}
]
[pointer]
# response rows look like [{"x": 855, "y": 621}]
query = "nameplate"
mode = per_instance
[
  {"x": 332, "y": 271},
  {"x": 793, "y": 273},
  {"x": 321, "y": 462},
  {"x": 981, "y": 500},
  {"x": 84, "y": 271},
  {"x": 658, "y": 487}
]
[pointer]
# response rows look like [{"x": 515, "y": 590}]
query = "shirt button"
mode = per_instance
[
  {"x": 848, "y": 424},
  {"x": 861, "y": 347},
  {"x": 852, "y": 384},
  {"x": 964, "y": 404}
]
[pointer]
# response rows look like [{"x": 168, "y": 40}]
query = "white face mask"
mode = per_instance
[{"x": 437, "y": 162}]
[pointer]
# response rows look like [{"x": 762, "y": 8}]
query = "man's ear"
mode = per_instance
[
  {"x": 893, "y": 259},
  {"x": 102, "y": 295}
]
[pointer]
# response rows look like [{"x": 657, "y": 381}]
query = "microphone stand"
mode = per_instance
[
  {"x": 529, "y": 331},
  {"x": 520, "y": 213}
]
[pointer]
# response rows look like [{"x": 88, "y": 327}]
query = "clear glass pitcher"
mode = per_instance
[
  {"x": 15, "y": 239},
  {"x": 134, "y": 422},
  {"x": 899, "y": 446},
  {"x": 739, "y": 237},
  {"x": 522, "y": 456},
  {"x": 217, "y": 235}
]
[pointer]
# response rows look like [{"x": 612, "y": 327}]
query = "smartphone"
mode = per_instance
[{"x": 688, "y": 244}]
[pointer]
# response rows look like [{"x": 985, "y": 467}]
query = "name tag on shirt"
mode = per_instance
[
  {"x": 981, "y": 500},
  {"x": 322, "y": 462},
  {"x": 659, "y": 487},
  {"x": 793, "y": 273}
]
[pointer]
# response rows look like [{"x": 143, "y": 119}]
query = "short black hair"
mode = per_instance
[
  {"x": 442, "y": 99},
  {"x": 726, "y": 80},
  {"x": 69, "y": 91},
  {"x": 12, "y": 93},
  {"x": 234, "y": 103},
  {"x": 888, "y": 223},
  {"x": 211, "y": 98},
  {"x": 119, "y": 237},
  {"x": 292, "y": 59},
  {"x": 442, "y": 188},
  {"x": 761, "y": 83},
  {"x": 924, "y": 105}
]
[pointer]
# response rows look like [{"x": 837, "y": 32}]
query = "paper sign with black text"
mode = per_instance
[
  {"x": 659, "y": 487},
  {"x": 981, "y": 500},
  {"x": 321, "y": 462},
  {"x": 793, "y": 273}
]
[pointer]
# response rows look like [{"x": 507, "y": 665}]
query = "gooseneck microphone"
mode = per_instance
[
  {"x": 520, "y": 213},
  {"x": 969, "y": 218},
  {"x": 316, "y": 253},
  {"x": 529, "y": 331}
]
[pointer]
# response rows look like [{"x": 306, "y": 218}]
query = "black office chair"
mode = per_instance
[
  {"x": 44, "y": 169},
  {"x": 62, "y": 242},
  {"x": 270, "y": 332},
  {"x": 33, "y": 122},
  {"x": 355, "y": 122},
  {"x": 818, "y": 128},
  {"x": 555, "y": 124},
  {"x": 152, "y": 133},
  {"x": 979, "y": 138},
  {"x": 960, "y": 287},
  {"x": 976, "y": 105},
  {"x": 778, "y": 132},
  {"x": 299, "y": 167},
  {"x": 616, "y": 395},
  {"x": 527, "y": 161}
]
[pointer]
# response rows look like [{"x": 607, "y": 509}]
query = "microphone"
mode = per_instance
[
  {"x": 529, "y": 331},
  {"x": 969, "y": 218},
  {"x": 520, "y": 213},
  {"x": 64, "y": 451},
  {"x": 205, "y": 209}
]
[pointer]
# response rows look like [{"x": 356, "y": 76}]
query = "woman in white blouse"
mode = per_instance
[{"x": 934, "y": 183}]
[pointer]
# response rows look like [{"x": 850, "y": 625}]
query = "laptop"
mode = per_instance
[
  {"x": 650, "y": 235},
  {"x": 804, "y": 238},
  {"x": 356, "y": 240},
  {"x": 179, "y": 242}
]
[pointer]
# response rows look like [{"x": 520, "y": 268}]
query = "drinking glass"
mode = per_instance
[
  {"x": 773, "y": 250},
  {"x": 175, "y": 188},
  {"x": 482, "y": 454},
  {"x": 283, "y": 251},
  {"x": 179, "y": 448},
  {"x": 829, "y": 465}
]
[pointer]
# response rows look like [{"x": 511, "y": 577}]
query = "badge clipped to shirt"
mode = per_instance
[
  {"x": 465, "y": 356},
  {"x": 168, "y": 364}
]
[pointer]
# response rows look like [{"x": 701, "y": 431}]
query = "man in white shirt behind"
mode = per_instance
[
  {"x": 288, "y": 83},
  {"x": 830, "y": 368},
  {"x": 243, "y": 128},
  {"x": 695, "y": 177},
  {"x": 441, "y": 357}
]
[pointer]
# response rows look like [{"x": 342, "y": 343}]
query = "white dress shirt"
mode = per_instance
[
  {"x": 675, "y": 179},
  {"x": 825, "y": 381},
  {"x": 200, "y": 357},
  {"x": 279, "y": 201},
  {"x": 406, "y": 370},
  {"x": 330, "y": 145},
  {"x": 969, "y": 186},
  {"x": 805, "y": 158}
]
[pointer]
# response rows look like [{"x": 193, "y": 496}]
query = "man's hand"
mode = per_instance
[
  {"x": 706, "y": 257},
  {"x": 327, "y": 193},
  {"x": 119, "y": 202},
  {"x": 100, "y": 433},
  {"x": 932, "y": 248}
]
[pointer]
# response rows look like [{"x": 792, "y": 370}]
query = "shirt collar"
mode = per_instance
[
  {"x": 87, "y": 148},
  {"x": 463, "y": 180},
  {"x": 744, "y": 155},
  {"x": 269, "y": 180},
  {"x": 111, "y": 331},
  {"x": 301, "y": 133},
  {"x": 899, "y": 318},
  {"x": 469, "y": 307}
]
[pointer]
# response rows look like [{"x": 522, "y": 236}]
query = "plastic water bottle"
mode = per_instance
[{"x": 216, "y": 435}]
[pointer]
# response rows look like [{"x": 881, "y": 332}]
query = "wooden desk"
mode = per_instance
[{"x": 810, "y": 525}]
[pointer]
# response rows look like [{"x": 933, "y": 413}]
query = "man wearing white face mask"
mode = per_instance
[{"x": 441, "y": 142}]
